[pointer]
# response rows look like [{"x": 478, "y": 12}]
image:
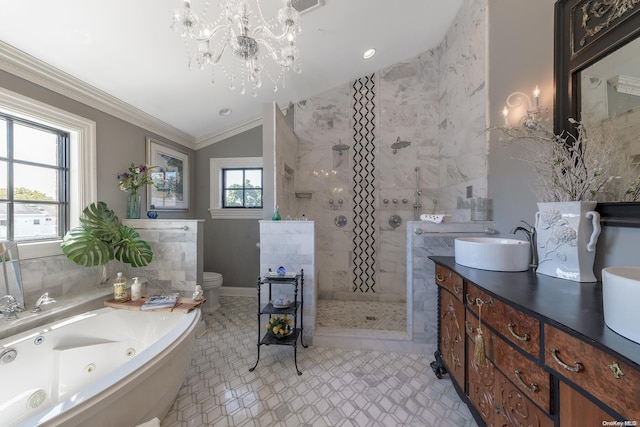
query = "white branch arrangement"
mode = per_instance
[{"x": 578, "y": 167}]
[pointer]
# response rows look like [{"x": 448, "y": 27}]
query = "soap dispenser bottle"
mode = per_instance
[
  {"x": 120, "y": 288},
  {"x": 136, "y": 290}
]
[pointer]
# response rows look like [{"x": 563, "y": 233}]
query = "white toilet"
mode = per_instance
[{"x": 211, "y": 283}]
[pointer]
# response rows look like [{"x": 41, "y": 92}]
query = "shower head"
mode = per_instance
[
  {"x": 399, "y": 144},
  {"x": 340, "y": 147}
]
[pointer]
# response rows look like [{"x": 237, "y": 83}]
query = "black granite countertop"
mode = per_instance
[{"x": 572, "y": 306}]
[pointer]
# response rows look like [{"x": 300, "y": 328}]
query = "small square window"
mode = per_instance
[{"x": 242, "y": 188}]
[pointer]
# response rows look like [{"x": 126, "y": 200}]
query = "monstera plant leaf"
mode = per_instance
[
  {"x": 132, "y": 249},
  {"x": 101, "y": 238}
]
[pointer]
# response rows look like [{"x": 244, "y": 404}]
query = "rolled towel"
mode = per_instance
[{"x": 432, "y": 218}]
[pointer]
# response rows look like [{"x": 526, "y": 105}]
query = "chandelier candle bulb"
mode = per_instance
[
  {"x": 536, "y": 97},
  {"x": 241, "y": 29},
  {"x": 505, "y": 114}
]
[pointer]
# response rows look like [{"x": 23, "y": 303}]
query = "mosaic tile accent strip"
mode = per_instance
[
  {"x": 338, "y": 387},
  {"x": 364, "y": 230},
  {"x": 386, "y": 316}
]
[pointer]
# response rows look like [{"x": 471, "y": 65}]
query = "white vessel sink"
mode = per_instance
[
  {"x": 620, "y": 296},
  {"x": 492, "y": 253}
]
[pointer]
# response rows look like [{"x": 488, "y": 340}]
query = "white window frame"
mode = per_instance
[
  {"x": 216, "y": 167},
  {"x": 83, "y": 166}
]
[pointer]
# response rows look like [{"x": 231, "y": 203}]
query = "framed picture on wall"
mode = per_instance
[{"x": 170, "y": 189}]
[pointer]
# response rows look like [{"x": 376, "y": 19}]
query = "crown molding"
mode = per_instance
[
  {"x": 243, "y": 126},
  {"x": 25, "y": 66}
]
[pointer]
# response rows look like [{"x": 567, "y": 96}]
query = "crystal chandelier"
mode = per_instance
[{"x": 250, "y": 38}]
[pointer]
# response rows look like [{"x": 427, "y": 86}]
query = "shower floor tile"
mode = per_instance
[
  {"x": 338, "y": 387},
  {"x": 385, "y": 316}
]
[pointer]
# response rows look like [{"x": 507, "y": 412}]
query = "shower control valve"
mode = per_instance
[
  {"x": 405, "y": 201},
  {"x": 395, "y": 201},
  {"x": 339, "y": 201},
  {"x": 385, "y": 201}
]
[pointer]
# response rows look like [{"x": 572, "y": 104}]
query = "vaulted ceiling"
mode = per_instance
[{"x": 126, "y": 49}]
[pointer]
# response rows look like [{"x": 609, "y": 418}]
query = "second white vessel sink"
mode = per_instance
[
  {"x": 492, "y": 253},
  {"x": 620, "y": 296}
]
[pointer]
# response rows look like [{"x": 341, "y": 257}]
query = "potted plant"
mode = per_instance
[
  {"x": 102, "y": 238},
  {"x": 130, "y": 181}
]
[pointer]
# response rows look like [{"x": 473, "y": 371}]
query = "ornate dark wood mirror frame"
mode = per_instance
[{"x": 585, "y": 32}]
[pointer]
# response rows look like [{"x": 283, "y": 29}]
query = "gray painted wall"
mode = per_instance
[
  {"x": 118, "y": 143},
  {"x": 520, "y": 57},
  {"x": 229, "y": 244}
]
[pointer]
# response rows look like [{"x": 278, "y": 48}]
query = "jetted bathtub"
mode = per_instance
[{"x": 106, "y": 367}]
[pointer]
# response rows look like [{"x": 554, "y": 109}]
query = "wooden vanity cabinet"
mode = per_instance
[
  {"x": 578, "y": 411},
  {"x": 536, "y": 374},
  {"x": 607, "y": 378},
  {"x": 497, "y": 400}
]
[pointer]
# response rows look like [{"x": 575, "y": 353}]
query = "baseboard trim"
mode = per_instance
[{"x": 234, "y": 291}]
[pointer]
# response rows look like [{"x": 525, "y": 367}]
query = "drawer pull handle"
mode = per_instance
[
  {"x": 478, "y": 301},
  {"x": 524, "y": 337},
  {"x": 457, "y": 289},
  {"x": 439, "y": 278},
  {"x": 531, "y": 388},
  {"x": 467, "y": 327},
  {"x": 576, "y": 365},
  {"x": 617, "y": 371}
]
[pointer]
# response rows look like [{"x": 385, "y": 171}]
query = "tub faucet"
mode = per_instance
[
  {"x": 530, "y": 233},
  {"x": 9, "y": 306},
  {"x": 43, "y": 300}
]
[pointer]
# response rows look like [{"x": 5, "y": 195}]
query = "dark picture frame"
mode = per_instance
[{"x": 170, "y": 189}]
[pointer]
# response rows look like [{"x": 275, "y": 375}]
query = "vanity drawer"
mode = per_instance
[
  {"x": 532, "y": 380},
  {"x": 449, "y": 280},
  {"x": 519, "y": 328},
  {"x": 595, "y": 371}
]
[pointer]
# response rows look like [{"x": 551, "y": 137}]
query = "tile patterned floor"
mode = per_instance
[
  {"x": 338, "y": 387},
  {"x": 388, "y": 316}
]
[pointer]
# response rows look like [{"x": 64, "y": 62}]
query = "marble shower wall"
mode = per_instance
[
  {"x": 463, "y": 119},
  {"x": 435, "y": 101}
]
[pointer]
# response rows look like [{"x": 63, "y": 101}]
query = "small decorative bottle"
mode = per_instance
[
  {"x": 152, "y": 213},
  {"x": 276, "y": 215},
  {"x": 136, "y": 290},
  {"x": 120, "y": 288}
]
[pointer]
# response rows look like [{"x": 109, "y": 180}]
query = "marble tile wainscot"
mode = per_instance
[
  {"x": 291, "y": 244},
  {"x": 178, "y": 257},
  {"x": 426, "y": 239},
  {"x": 548, "y": 349}
]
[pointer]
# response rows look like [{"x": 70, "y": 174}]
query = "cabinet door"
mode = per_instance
[
  {"x": 514, "y": 409},
  {"x": 578, "y": 411},
  {"x": 452, "y": 335},
  {"x": 481, "y": 385}
]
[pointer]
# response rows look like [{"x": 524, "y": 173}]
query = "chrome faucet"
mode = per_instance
[
  {"x": 530, "y": 233},
  {"x": 43, "y": 300},
  {"x": 9, "y": 306}
]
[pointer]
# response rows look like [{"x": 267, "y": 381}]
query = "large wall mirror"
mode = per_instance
[{"x": 597, "y": 78}]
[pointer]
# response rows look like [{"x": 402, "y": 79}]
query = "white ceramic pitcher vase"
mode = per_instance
[{"x": 567, "y": 233}]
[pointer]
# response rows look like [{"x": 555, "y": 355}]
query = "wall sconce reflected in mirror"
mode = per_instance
[{"x": 516, "y": 101}]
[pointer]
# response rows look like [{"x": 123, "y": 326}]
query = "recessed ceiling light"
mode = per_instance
[
  {"x": 369, "y": 53},
  {"x": 225, "y": 111}
]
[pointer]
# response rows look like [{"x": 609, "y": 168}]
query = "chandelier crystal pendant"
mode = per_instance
[{"x": 243, "y": 31}]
